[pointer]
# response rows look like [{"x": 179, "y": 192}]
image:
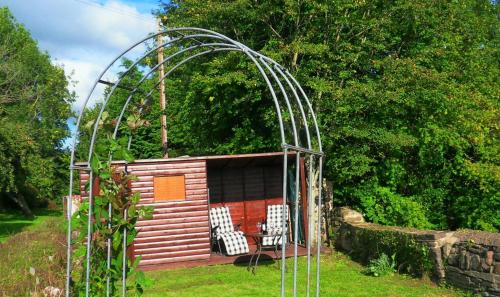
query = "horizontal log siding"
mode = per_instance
[{"x": 178, "y": 230}]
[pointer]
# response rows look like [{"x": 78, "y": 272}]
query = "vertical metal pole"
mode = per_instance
[
  {"x": 69, "y": 209},
  {"x": 124, "y": 259},
  {"x": 296, "y": 222},
  {"x": 283, "y": 225},
  {"x": 89, "y": 233},
  {"x": 320, "y": 183},
  {"x": 108, "y": 278},
  {"x": 309, "y": 218}
]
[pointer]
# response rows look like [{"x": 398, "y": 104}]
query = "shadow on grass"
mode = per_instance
[
  {"x": 14, "y": 221},
  {"x": 264, "y": 260},
  {"x": 10, "y": 228}
]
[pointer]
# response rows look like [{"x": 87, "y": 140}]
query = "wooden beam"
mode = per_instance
[{"x": 163, "y": 101}]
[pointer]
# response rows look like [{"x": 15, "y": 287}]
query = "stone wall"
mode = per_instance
[{"x": 466, "y": 259}]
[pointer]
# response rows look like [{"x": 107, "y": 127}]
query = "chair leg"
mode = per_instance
[{"x": 220, "y": 250}]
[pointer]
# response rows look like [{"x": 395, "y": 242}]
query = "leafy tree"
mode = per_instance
[
  {"x": 34, "y": 107},
  {"x": 406, "y": 93}
]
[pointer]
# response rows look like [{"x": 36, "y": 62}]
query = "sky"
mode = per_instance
[{"x": 83, "y": 36}]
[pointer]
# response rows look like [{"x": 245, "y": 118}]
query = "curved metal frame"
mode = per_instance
[{"x": 274, "y": 75}]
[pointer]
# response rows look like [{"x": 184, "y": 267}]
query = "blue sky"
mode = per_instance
[{"x": 84, "y": 35}]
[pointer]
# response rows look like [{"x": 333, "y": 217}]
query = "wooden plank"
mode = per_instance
[
  {"x": 161, "y": 211},
  {"x": 138, "y": 184},
  {"x": 172, "y": 242},
  {"x": 168, "y": 204},
  {"x": 198, "y": 197},
  {"x": 174, "y": 216},
  {"x": 142, "y": 189},
  {"x": 175, "y": 254},
  {"x": 166, "y": 215},
  {"x": 155, "y": 167},
  {"x": 172, "y": 232},
  {"x": 171, "y": 171},
  {"x": 174, "y": 226},
  {"x": 196, "y": 192},
  {"x": 177, "y": 248},
  {"x": 147, "y": 198},
  {"x": 196, "y": 175},
  {"x": 195, "y": 181},
  {"x": 189, "y": 176},
  {"x": 164, "y": 238}
]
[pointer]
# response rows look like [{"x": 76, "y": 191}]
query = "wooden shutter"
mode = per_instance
[{"x": 171, "y": 187}]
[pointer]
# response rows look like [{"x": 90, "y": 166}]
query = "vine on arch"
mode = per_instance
[{"x": 112, "y": 186}]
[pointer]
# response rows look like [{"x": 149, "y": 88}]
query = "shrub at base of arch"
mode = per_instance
[{"x": 114, "y": 188}]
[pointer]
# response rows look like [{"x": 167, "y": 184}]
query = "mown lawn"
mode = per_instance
[
  {"x": 339, "y": 277},
  {"x": 12, "y": 222},
  {"x": 42, "y": 247}
]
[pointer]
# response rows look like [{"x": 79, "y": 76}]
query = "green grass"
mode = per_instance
[
  {"x": 40, "y": 246},
  {"x": 12, "y": 221},
  {"x": 339, "y": 277}
]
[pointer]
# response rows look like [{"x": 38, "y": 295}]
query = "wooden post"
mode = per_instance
[{"x": 163, "y": 119}]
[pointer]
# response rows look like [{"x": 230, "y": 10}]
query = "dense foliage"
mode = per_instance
[
  {"x": 114, "y": 189},
  {"x": 406, "y": 94},
  {"x": 406, "y": 91},
  {"x": 407, "y": 254},
  {"x": 34, "y": 106}
]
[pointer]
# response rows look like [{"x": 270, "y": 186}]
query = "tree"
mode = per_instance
[
  {"x": 406, "y": 94},
  {"x": 34, "y": 107}
]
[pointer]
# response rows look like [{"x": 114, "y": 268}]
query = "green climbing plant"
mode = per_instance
[{"x": 116, "y": 224}]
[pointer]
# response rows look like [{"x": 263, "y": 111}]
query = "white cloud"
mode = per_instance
[{"x": 82, "y": 35}]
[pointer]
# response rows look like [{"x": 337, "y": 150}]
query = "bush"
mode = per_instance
[
  {"x": 409, "y": 256},
  {"x": 382, "y": 206},
  {"x": 382, "y": 266}
]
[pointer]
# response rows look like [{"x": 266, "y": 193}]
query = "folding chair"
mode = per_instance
[
  {"x": 235, "y": 242},
  {"x": 274, "y": 224}
]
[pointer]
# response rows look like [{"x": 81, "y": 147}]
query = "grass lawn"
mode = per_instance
[
  {"x": 42, "y": 246},
  {"x": 339, "y": 277},
  {"x": 12, "y": 221}
]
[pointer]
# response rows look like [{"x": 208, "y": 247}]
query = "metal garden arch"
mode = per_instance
[{"x": 294, "y": 112}]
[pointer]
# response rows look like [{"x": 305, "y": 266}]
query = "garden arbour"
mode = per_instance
[{"x": 295, "y": 117}]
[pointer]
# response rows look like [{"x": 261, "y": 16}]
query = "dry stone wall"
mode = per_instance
[{"x": 466, "y": 259}]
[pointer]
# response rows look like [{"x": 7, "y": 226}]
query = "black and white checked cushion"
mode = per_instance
[
  {"x": 274, "y": 223},
  {"x": 220, "y": 220},
  {"x": 234, "y": 241}
]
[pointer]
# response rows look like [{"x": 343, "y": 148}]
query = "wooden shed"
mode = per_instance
[{"x": 183, "y": 189}]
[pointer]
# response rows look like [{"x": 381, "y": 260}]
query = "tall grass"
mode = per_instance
[{"x": 33, "y": 260}]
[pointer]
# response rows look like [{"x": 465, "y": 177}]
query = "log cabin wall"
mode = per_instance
[{"x": 179, "y": 229}]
